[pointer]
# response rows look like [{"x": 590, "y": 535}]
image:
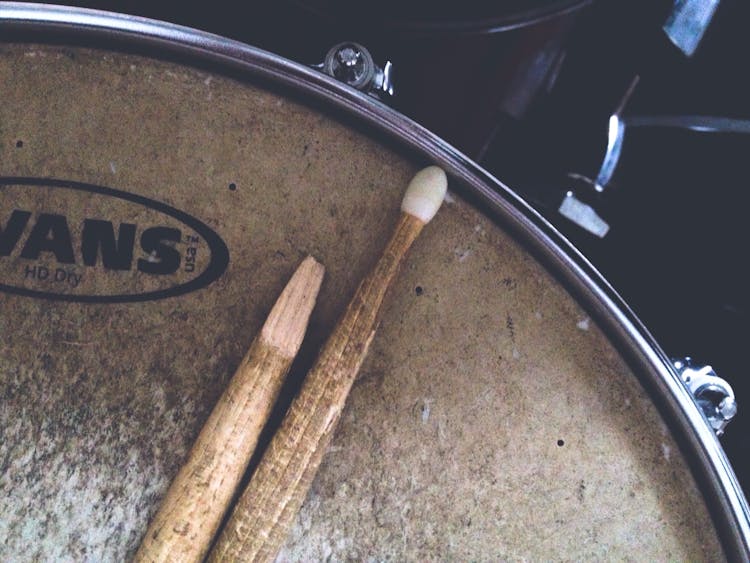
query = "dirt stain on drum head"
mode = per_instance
[{"x": 449, "y": 444}]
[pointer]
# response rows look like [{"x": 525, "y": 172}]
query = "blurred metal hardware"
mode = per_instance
[
  {"x": 687, "y": 23},
  {"x": 352, "y": 64},
  {"x": 712, "y": 394},
  {"x": 583, "y": 215},
  {"x": 698, "y": 123}
]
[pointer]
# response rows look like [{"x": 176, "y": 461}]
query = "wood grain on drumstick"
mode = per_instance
[
  {"x": 199, "y": 496},
  {"x": 267, "y": 508}
]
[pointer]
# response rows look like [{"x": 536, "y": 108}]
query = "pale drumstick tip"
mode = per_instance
[
  {"x": 286, "y": 324},
  {"x": 425, "y": 193}
]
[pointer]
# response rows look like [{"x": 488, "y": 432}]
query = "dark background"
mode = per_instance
[{"x": 531, "y": 104}]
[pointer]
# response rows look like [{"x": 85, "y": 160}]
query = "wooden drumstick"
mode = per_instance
[
  {"x": 199, "y": 497},
  {"x": 265, "y": 512}
]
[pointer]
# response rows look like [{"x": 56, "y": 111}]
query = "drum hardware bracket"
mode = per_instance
[
  {"x": 695, "y": 123},
  {"x": 687, "y": 23},
  {"x": 580, "y": 212},
  {"x": 352, "y": 64},
  {"x": 712, "y": 394},
  {"x": 619, "y": 123},
  {"x": 583, "y": 214}
]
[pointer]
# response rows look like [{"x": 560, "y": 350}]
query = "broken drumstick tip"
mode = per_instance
[
  {"x": 286, "y": 323},
  {"x": 192, "y": 510},
  {"x": 425, "y": 193}
]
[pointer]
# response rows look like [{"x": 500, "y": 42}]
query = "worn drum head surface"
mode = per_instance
[{"x": 150, "y": 214}]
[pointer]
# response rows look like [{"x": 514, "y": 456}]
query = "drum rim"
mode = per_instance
[{"x": 708, "y": 462}]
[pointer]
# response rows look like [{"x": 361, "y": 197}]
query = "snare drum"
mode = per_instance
[{"x": 159, "y": 186}]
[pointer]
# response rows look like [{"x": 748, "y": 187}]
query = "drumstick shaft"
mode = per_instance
[
  {"x": 267, "y": 508},
  {"x": 199, "y": 496}
]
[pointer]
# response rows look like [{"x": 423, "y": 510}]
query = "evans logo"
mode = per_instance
[{"x": 79, "y": 242}]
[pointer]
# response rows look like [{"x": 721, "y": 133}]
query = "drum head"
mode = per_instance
[{"x": 152, "y": 210}]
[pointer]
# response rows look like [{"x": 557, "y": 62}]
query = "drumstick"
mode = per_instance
[
  {"x": 267, "y": 508},
  {"x": 198, "y": 498}
]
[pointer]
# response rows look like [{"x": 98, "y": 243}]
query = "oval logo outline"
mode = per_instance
[{"x": 219, "y": 253}]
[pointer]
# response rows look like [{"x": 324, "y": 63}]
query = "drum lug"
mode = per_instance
[
  {"x": 712, "y": 394},
  {"x": 352, "y": 64}
]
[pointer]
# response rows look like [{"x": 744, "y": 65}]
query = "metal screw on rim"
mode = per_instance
[
  {"x": 713, "y": 395},
  {"x": 352, "y": 64}
]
